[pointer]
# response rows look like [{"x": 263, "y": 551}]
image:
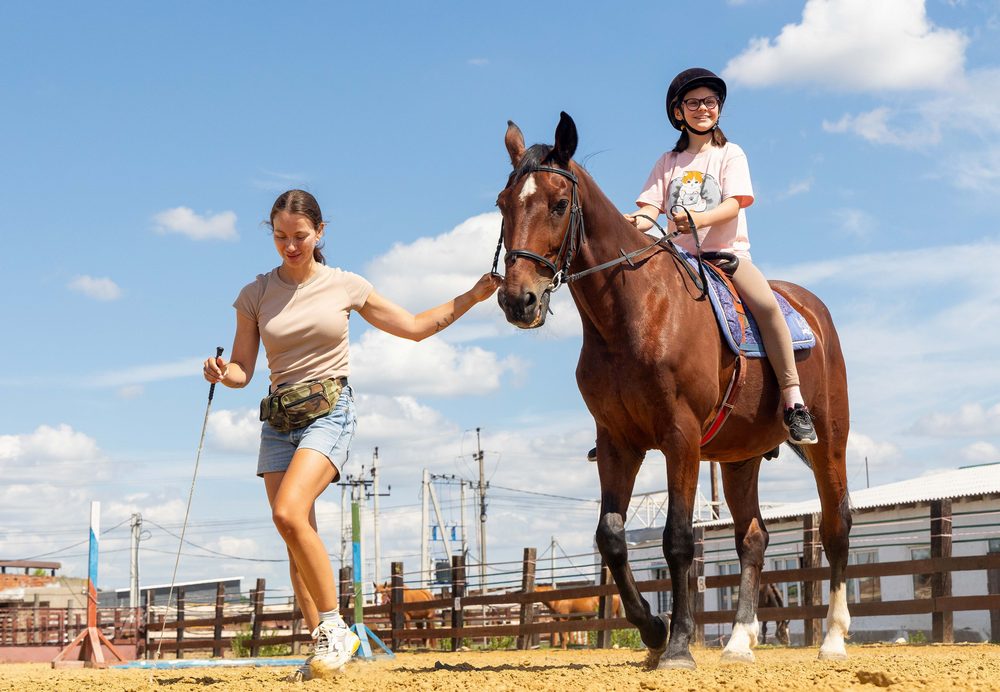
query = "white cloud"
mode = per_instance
[
  {"x": 979, "y": 452},
  {"x": 855, "y": 222},
  {"x": 98, "y": 288},
  {"x": 141, "y": 374},
  {"x": 970, "y": 419},
  {"x": 856, "y": 45},
  {"x": 234, "y": 431},
  {"x": 797, "y": 187},
  {"x": 182, "y": 220},
  {"x": 47, "y": 443},
  {"x": 132, "y": 391},
  {"x": 874, "y": 126},
  {"x": 388, "y": 364}
]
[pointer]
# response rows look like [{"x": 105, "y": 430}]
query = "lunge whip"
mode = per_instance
[{"x": 187, "y": 511}]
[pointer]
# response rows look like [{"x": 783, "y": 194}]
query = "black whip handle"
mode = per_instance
[{"x": 211, "y": 389}]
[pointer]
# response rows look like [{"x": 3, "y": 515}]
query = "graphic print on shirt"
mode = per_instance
[{"x": 695, "y": 190}]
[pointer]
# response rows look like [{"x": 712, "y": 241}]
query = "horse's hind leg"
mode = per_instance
[
  {"x": 739, "y": 482},
  {"x": 617, "y": 469},
  {"x": 828, "y": 461}
]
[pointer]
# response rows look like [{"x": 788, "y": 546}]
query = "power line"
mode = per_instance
[{"x": 533, "y": 492}]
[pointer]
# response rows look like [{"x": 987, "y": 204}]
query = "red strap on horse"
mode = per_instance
[{"x": 728, "y": 401}]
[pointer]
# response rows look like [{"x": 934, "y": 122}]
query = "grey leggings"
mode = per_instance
[{"x": 758, "y": 298}]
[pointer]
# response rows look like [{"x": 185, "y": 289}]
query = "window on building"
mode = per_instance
[
  {"x": 864, "y": 589},
  {"x": 995, "y": 545},
  {"x": 921, "y": 582},
  {"x": 664, "y": 599},
  {"x": 728, "y": 595},
  {"x": 791, "y": 592}
]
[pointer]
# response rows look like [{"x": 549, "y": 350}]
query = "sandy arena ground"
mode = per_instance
[{"x": 929, "y": 667}]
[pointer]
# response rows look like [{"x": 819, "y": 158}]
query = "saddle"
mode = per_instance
[
  {"x": 738, "y": 327},
  {"x": 739, "y": 330}
]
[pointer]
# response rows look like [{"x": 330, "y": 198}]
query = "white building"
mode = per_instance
[{"x": 891, "y": 523}]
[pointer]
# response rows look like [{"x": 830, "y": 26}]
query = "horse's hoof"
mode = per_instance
[
  {"x": 738, "y": 657},
  {"x": 832, "y": 655},
  {"x": 677, "y": 663},
  {"x": 652, "y": 660}
]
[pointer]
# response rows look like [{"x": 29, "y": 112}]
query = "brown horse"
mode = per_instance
[
  {"x": 424, "y": 618},
  {"x": 770, "y": 597},
  {"x": 564, "y": 608},
  {"x": 653, "y": 372}
]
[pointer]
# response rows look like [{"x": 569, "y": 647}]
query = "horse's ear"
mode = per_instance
[
  {"x": 566, "y": 140},
  {"x": 515, "y": 142}
]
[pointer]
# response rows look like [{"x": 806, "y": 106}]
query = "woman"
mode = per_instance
[
  {"x": 706, "y": 176},
  {"x": 300, "y": 310}
]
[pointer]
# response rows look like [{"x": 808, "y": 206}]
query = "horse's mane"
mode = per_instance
[{"x": 536, "y": 155}]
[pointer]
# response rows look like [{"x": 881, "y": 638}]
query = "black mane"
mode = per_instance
[{"x": 536, "y": 155}]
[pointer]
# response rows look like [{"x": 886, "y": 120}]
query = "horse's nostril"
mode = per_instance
[{"x": 530, "y": 299}]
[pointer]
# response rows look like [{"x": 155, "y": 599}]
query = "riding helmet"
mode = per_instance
[{"x": 689, "y": 79}]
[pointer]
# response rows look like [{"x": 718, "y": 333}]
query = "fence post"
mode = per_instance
[
  {"x": 812, "y": 591},
  {"x": 344, "y": 592},
  {"x": 942, "y": 623},
  {"x": 698, "y": 597},
  {"x": 150, "y": 619},
  {"x": 457, "y": 593},
  {"x": 180, "y": 620},
  {"x": 395, "y": 614},
  {"x": 258, "y": 617},
  {"x": 220, "y": 609},
  {"x": 296, "y": 625},
  {"x": 604, "y": 604},
  {"x": 527, "y": 586}
]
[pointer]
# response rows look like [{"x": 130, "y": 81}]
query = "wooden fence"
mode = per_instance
[{"x": 464, "y": 615}]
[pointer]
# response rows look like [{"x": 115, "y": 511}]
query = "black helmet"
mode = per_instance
[{"x": 689, "y": 79}]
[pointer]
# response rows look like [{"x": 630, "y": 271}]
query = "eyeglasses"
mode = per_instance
[{"x": 710, "y": 102}]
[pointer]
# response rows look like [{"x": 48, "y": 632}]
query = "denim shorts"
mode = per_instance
[{"x": 330, "y": 436}]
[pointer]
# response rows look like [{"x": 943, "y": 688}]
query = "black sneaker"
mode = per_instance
[
  {"x": 592, "y": 454},
  {"x": 798, "y": 423}
]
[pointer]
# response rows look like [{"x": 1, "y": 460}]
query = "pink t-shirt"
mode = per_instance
[
  {"x": 701, "y": 182},
  {"x": 304, "y": 328}
]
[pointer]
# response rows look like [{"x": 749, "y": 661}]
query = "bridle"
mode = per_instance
[{"x": 575, "y": 236}]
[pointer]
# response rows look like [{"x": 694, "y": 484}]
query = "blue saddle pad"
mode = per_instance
[{"x": 729, "y": 323}]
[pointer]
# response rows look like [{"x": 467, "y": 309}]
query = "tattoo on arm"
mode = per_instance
[{"x": 443, "y": 322}]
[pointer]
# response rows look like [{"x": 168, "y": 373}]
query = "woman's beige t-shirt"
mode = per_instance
[{"x": 304, "y": 328}]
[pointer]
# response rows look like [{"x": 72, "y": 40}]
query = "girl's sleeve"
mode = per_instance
[
  {"x": 654, "y": 192},
  {"x": 247, "y": 303},
  {"x": 735, "y": 176},
  {"x": 358, "y": 289}
]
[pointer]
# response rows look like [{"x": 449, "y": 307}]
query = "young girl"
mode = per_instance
[
  {"x": 300, "y": 311},
  {"x": 709, "y": 176}
]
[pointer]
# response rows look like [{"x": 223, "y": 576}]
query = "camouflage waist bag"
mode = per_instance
[{"x": 293, "y": 406}]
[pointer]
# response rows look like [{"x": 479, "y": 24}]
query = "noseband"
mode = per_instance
[{"x": 574, "y": 236}]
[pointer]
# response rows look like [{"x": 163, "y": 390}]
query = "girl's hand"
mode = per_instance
[
  {"x": 485, "y": 287},
  {"x": 680, "y": 220},
  {"x": 631, "y": 218},
  {"x": 215, "y": 369}
]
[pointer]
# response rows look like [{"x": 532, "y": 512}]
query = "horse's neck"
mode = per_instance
[{"x": 609, "y": 234}]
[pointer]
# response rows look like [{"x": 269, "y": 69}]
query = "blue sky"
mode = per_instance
[{"x": 143, "y": 146}]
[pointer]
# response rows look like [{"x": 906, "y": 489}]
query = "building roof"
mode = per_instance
[
  {"x": 968, "y": 481},
  {"x": 165, "y": 587},
  {"x": 29, "y": 564}
]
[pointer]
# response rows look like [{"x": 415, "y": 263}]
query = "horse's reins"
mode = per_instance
[{"x": 575, "y": 236}]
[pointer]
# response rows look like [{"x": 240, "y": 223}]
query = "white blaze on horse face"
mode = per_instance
[
  {"x": 528, "y": 189},
  {"x": 838, "y": 622}
]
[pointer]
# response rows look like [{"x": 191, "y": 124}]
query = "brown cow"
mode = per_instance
[
  {"x": 563, "y": 608},
  {"x": 423, "y": 618}
]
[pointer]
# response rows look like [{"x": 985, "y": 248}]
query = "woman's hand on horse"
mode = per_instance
[
  {"x": 486, "y": 286},
  {"x": 215, "y": 369},
  {"x": 682, "y": 223}
]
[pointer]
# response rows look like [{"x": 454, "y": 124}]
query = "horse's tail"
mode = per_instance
[{"x": 800, "y": 454}]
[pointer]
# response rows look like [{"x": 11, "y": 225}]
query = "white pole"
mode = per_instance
[
  {"x": 441, "y": 526},
  {"x": 425, "y": 532},
  {"x": 465, "y": 540},
  {"x": 482, "y": 518},
  {"x": 133, "y": 572},
  {"x": 378, "y": 541},
  {"x": 343, "y": 524}
]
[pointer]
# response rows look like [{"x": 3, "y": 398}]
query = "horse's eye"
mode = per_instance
[{"x": 560, "y": 208}]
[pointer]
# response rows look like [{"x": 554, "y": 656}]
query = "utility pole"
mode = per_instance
[
  {"x": 868, "y": 481},
  {"x": 482, "y": 517},
  {"x": 552, "y": 562},
  {"x": 378, "y": 542},
  {"x": 343, "y": 523},
  {"x": 133, "y": 572},
  {"x": 360, "y": 490},
  {"x": 425, "y": 518},
  {"x": 714, "y": 470}
]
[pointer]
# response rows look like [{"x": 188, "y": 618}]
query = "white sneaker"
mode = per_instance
[{"x": 335, "y": 645}]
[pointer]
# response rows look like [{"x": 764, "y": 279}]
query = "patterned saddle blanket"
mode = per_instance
[{"x": 742, "y": 333}]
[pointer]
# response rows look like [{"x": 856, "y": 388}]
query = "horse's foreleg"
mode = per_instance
[
  {"x": 678, "y": 549},
  {"x": 617, "y": 480},
  {"x": 739, "y": 482}
]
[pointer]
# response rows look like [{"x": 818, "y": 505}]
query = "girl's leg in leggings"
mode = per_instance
[{"x": 757, "y": 296}]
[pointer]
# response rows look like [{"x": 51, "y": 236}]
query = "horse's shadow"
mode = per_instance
[{"x": 469, "y": 668}]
